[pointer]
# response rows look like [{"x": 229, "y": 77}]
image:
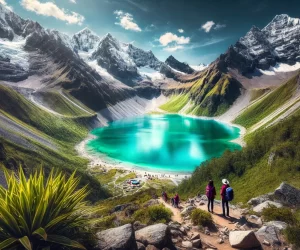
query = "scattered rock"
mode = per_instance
[
  {"x": 187, "y": 244},
  {"x": 140, "y": 246},
  {"x": 260, "y": 199},
  {"x": 202, "y": 203},
  {"x": 117, "y": 238},
  {"x": 120, "y": 207},
  {"x": 207, "y": 232},
  {"x": 280, "y": 225},
  {"x": 267, "y": 243},
  {"x": 157, "y": 235},
  {"x": 195, "y": 236},
  {"x": 187, "y": 210},
  {"x": 253, "y": 217},
  {"x": 270, "y": 234},
  {"x": 196, "y": 243},
  {"x": 174, "y": 225},
  {"x": 182, "y": 230},
  {"x": 220, "y": 241},
  {"x": 151, "y": 247},
  {"x": 287, "y": 195},
  {"x": 176, "y": 233},
  {"x": 243, "y": 239},
  {"x": 259, "y": 208},
  {"x": 151, "y": 202}
]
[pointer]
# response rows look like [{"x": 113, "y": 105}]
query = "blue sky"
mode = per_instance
[{"x": 194, "y": 31}]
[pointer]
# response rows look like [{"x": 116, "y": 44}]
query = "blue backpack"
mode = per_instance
[{"x": 229, "y": 194}]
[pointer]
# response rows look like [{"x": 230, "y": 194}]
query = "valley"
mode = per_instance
[{"x": 115, "y": 113}]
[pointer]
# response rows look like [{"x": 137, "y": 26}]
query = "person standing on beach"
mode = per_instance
[
  {"x": 226, "y": 195},
  {"x": 211, "y": 194}
]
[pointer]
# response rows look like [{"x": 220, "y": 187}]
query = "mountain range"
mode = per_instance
[{"x": 88, "y": 81}]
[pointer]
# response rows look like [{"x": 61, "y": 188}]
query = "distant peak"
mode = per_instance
[
  {"x": 280, "y": 17},
  {"x": 86, "y": 30},
  {"x": 254, "y": 28}
]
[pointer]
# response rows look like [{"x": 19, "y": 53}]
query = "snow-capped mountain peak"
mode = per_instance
[{"x": 85, "y": 40}]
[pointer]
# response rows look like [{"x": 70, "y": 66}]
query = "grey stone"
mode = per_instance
[
  {"x": 196, "y": 243},
  {"x": 259, "y": 208},
  {"x": 187, "y": 244},
  {"x": 287, "y": 195},
  {"x": 187, "y": 210},
  {"x": 280, "y": 225},
  {"x": 243, "y": 239},
  {"x": 151, "y": 202},
  {"x": 269, "y": 233},
  {"x": 195, "y": 236},
  {"x": 260, "y": 199},
  {"x": 119, "y": 238},
  {"x": 158, "y": 235},
  {"x": 140, "y": 246}
]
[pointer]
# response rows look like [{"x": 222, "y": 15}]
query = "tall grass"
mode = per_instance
[{"x": 36, "y": 212}]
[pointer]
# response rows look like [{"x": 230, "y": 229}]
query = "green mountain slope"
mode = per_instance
[
  {"x": 271, "y": 156},
  {"x": 270, "y": 103},
  {"x": 31, "y": 137},
  {"x": 211, "y": 94}
]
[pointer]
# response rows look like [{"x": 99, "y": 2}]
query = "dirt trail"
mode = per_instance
[{"x": 219, "y": 220}]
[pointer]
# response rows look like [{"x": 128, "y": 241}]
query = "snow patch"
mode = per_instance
[
  {"x": 150, "y": 73},
  {"x": 199, "y": 67},
  {"x": 280, "y": 67}
]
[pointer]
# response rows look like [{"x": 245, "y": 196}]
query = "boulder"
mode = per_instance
[
  {"x": 119, "y": 238},
  {"x": 260, "y": 199},
  {"x": 195, "y": 236},
  {"x": 187, "y": 244},
  {"x": 140, "y": 246},
  {"x": 280, "y": 225},
  {"x": 187, "y": 210},
  {"x": 157, "y": 235},
  {"x": 287, "y": 195},
  {"x": 151, "y": 202},
  {"x": 243, "y": 239},
  {"x": 259, "y": 208},
  {"x": 269, "y": 233},
  {"x": 196, "y": 243},
  {"x": 174, "y": 225}
]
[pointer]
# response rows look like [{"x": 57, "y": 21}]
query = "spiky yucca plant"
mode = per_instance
[{"x": 36, "y": 213}]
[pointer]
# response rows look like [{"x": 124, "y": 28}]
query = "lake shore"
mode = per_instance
[{"x": 98, "y": 160}]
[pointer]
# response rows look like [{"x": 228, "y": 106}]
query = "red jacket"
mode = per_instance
[
  {"x": 223, "y": 191},
  {"x": 210, "y": 192}
]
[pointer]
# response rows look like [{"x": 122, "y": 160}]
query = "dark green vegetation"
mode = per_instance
[
  {"x": 284, "y": 214},
  {"x": 39, "y": 213},
  {"x": 271, "y": 156},
  {"x": 60, "y": 132},
  {"x": 292, "y": 218},
  {"x": 267, "y": 105},
  {"x": 211, "y": 94},
  {"x": 153, "y": 214},
  {"x": 202, "y": 218}
]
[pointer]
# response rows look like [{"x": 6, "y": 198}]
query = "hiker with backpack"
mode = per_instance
[
  {"x": 211, "y": 194},
  {"x": 227, "y": 195}
]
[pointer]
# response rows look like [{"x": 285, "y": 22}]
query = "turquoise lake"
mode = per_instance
[{"x": 164, "y": 142}]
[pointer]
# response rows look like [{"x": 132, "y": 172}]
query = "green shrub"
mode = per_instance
[
  {"x": 292, "y": 235},
  {"x": 105, "y": 222},
  {"x": 36, "y": 213},
  {"x": 201, "y": 218},
  {"x": 153, "y": 214},
  {"x": 280, "y": 214}
]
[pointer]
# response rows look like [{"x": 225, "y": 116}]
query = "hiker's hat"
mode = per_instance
[{"x": 225, "y": 181}]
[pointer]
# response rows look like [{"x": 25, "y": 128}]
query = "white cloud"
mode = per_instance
[
  {"x": 180, "y": 30},
  {"x": 5, "y": 4},
  {"x": 126, "y": 21},
  {"x": 219, "y": 26},
  {"x": 151, "y": 27},
  {"x": 173, "y": 48},
  {"x": 51, "y": 9},
  {"x": 72, "y": 1},
  {"x": 170, "y": 38},
  {"x": 207, "y": 26}
]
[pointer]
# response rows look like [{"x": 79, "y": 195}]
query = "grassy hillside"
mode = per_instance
[
  {"x": 55, "y": 101},
  {"x": 267, "y": 105},
  {"x": 210, "y": 95},
  {"x": 38, "y": 126},
  {"x": 253, "y": 170}
]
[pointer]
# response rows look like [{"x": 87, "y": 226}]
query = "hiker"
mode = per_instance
[
  {"x": 172, "y": 202},
  {"x": 164, "y": 196},
  {"x": 176, "y": 200},
  {"x": 211, "y": 194},
  {"x": 226, "y": 195}
]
